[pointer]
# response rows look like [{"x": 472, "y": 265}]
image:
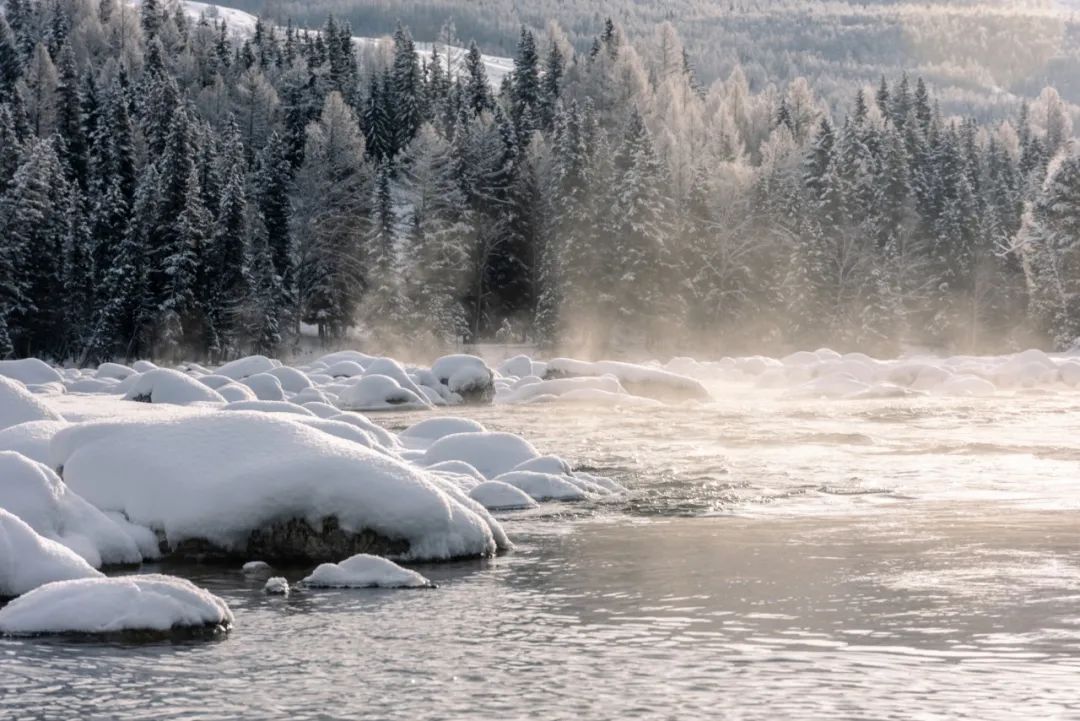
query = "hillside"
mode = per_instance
[{"x": 981, "y": 57}]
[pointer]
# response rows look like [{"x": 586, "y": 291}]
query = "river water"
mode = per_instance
[{"x": 905, "y": 558}]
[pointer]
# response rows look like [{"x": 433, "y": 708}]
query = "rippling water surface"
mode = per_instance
[{"x": 912, "y": 558}]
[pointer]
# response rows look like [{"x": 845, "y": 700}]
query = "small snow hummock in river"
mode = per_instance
[{"x": 365, "y": 571}]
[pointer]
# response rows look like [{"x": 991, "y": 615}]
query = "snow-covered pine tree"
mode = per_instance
[
  {"x": 332, "y": 219},
  {"x": 437, "y": 246}
]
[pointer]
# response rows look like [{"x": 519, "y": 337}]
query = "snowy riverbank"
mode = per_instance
[{"x": 257, "y": 460}]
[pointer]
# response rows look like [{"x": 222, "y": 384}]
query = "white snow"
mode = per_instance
[
  {"x": 18, "y": 405},
  {"x": 36, "y": 494},
  {"x": 265, "y": 386},
  {"x": 218, "y": 476},
  {"x": 164, "y": 385},
  {"x": 237, "y": 392},
  {"x": 30, "y": 439},
  {"x": 544, "y": 486},
  {"x": 110, "y": 605},
  {"x": 463, "y": 374},
  {"x": 248, "y": 366},
  {"x": 269, "y": 407},
  {"x": 499, "y": 496},
  {"x": 424, "y": 433},
  {"x": 276, "y": 586},
  {"x": 364, "y": 571},
  {"x": 256, "y": 567},
  {"x": 30, "y": 371},
  {"x": 488, "y": 452},
  {"x": 114, "y": 371},
  {"x": 646, "y": 381},
  {"x": 28, "y": 559},
  {"x": 291, "y": 379},
  {"x": 379, "y": 392}
]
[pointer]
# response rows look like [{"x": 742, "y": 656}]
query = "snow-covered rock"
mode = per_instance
[
  {"x": 524, "y": 392},
  {"x": 345, "y": 369},
  {"x": 18, "y": 405},
  {"x": 143, "y": 366},
  {"x": 500, "y": 496},
  {"x": 248, "y": 366},
  {"x": 114, "y": 371},
  {"x": 265, "y": 386},
  {"x": 34, "y": 493},
  {"x": 269, "y": 407},
  {"x": 276, "y": 586},
  {"x": 364, "y": 571},
  {"x": 466, "y": 375},
  {"x": 519, "y": 366},
  {"x": 30, "y": 371},
  {"x": 377, "y": 393},
  {"x": 234, "y": 392},
  {"x": 164, "y": 385},
  {"x": 291, "y": 379},
  {"x": 262, "y": 485},
  {"x": 255, "y": 567},
  {"x": 544, "y": 486},
  {"x": 91, "y": 385},
  {"x": 30, "y": 439},
  {"x": 637, "y": 379},
  {"x": 427, "y": 431},
  {"x": 488, "y": 452},
  {"x": 28, "y": 559},
  {"x": 113, "y": 605}
]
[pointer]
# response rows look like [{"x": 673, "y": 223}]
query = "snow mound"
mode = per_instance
[
  {"x": 276, "y": 586},
  {"x": 269, "y": 407},
  {"x": 365, "y": 571},
  {"x": 248, "y": 366},
  {"x": 466, "y": 375},
  {"x": 637, "y": 379},
  {"x": 546, "y": 464},
  {"x": 222, "y": 477},
  {"x": 291, "y": 379},
  {"x": 164, "y": 385},
  {"x": 344, "y": 369},
  {"x": 377, "y": 393},
  {"x": 28, "y": 560},
  {"x": 458, "y": 468},
  {"x": 91, "y": 385},
  {"x": 237, "y": 392},
  {"x": 31, "y": 439},
  {"x": 524, "y": 392},
  {"x": 30, "y": 371},
  {"x": 18, "y": 405},
  {"x": 35, "y": 494},
  {"x": 265, "y": 386},
  {"x": 518, "y": 367},
  {"x": 432, "y": 429},
  {"x": 256, "y": 567},
  {"x": 114, "y": 371},
  {"x": 500, "y": 496},
  {"x": 544, "y": 486},
  {"x": 111, "y": 605},
  {"x": 488, "y": 452}
]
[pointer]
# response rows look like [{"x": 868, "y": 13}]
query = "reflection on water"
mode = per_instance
[{"x": 912, "y": 560}]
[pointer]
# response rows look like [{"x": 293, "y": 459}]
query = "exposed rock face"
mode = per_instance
[{"x": 291, "y": 541}]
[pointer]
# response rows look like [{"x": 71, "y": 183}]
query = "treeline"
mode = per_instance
[
  {"x": 168, "y": 189},
  {"x": 968, "y": 51}
]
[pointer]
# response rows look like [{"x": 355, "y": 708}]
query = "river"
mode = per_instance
[{"x": 913, "y": 558}]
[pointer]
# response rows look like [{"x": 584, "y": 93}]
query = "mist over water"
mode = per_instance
[{"x": 776, "y": 558}]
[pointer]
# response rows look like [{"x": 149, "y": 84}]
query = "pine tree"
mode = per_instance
[
  {"x": 1050, "y": 239},
  {"x": 477, "y": 89},
  {"x": 273, "y": 186},
  {"x": 525, "y": 97},
  {"x": 69, "y": 121},
  {"x": 406, "y": 83},
  {"x": 334, "y": 195},
  {"x": 438, "y": 239}
]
